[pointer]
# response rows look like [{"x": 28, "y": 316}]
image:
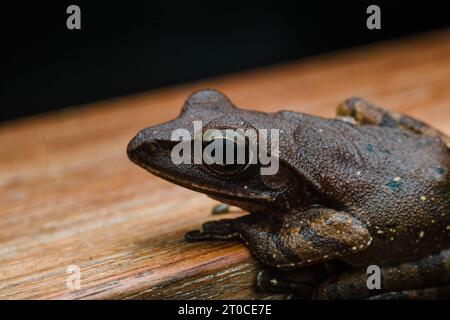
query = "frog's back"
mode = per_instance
[{"x": 394, "y": 180}]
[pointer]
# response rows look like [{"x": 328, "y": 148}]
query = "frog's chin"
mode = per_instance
[{"x": 222, "y": 195}]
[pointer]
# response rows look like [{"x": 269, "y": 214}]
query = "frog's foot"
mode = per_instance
[
  {"x": 286, "y": 242},
  {"x": 290, "y": 241},
  {"x": 364, "y": 112},
  {"x": 214, "y": 230},
  {"x": 267, "y": 281},
  {"x": 428, "y": 278}
]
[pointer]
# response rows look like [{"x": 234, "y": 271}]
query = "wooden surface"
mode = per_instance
[{"x": 70, "y": 196}]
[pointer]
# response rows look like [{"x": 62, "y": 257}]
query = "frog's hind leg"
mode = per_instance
[
  {"x": 364, "y": 112},
  {"x": 427, "y": 278},
  {"x": 298, "y": 288},
  {"x": 290, "y": 241},
  {"x": 417, "y": 294}
]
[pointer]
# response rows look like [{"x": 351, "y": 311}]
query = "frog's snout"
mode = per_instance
[{"x": 140, "y": 149}]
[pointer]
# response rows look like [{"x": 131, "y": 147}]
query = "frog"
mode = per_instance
[{"x": 370, "y": 187}]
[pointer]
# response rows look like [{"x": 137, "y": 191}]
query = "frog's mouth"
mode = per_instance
[
  {"x": 182, "y": 179},
  {"x": 222, "y": 194}
]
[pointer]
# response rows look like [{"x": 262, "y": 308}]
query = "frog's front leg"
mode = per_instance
[
  {"x": 423, "y": 279},
  {"x": 291, "y": 240},
  {"x": 288, "y": 241},
  {"x": 214, "y": 230}
]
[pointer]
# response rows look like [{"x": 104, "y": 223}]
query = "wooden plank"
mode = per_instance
[{"x": 69, "y": 195}]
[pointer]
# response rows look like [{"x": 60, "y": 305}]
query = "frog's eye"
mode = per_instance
[{"x": 226, "y": 151}]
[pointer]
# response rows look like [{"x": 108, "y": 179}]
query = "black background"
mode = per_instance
[{"x": 126, "y": 47}]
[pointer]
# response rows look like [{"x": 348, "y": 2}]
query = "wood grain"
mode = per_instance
[{"x": 70, "y": 196}]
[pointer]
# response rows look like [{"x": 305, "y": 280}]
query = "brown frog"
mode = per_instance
[{"x": 370, "y": 187}]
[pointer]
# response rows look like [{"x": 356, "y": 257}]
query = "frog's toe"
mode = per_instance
[
  {"x": 361, "y": 111},
  {"x": 214, "y": 230},
  {"x": 223, "y": 226},
  {"x": 195, "y": 235},
  {"x": 266, "y": 281}
]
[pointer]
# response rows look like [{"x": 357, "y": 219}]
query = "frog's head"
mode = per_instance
[{"x": 240, "y": 183}]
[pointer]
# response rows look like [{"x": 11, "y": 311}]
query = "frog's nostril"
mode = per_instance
[
  {"x": 134, "y": 148},
  {"x": 152, "y": 146},
  {"x": 140, "y": 151}
]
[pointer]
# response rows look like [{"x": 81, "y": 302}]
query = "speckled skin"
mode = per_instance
[{"x": 369, "y": 187}]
